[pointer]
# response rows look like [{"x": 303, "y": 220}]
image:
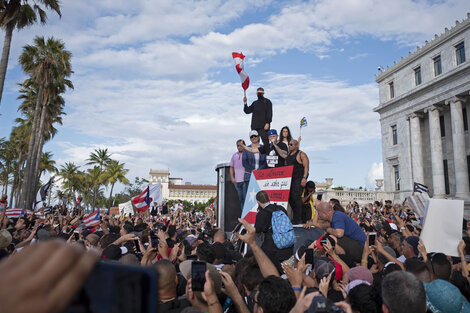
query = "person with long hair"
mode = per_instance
[{"x": 285, "y": 136}]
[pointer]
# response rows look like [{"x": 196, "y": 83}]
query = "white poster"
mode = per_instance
[
  {"x": 126, "y": 208},
  {"x": 442, "y": 230}
]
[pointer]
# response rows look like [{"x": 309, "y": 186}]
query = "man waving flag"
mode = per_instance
[{"x": 239, "y": 60}]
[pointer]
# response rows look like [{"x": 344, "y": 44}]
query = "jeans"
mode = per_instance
[{"x": 242, "y": 188}]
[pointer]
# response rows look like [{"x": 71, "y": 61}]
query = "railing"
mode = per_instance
[{"x": 360, "y": 196}]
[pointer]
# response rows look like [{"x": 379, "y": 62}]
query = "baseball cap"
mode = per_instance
[
  {"x": 272, "y": 132},
  {"x": 112, "y": 252},
  {"x": 323, "y": 267},
  {"x": 442, "y": 296},
  {"x": 360, "y": 273},
  {"x": 253, "y": 133},
  {"x": 413, "y": 241}
]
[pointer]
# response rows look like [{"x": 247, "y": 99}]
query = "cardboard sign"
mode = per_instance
[
  {"x": 442, "y": 230},
  {"x": 114, "y": 211},
  {"x": 126, "y": 208}
]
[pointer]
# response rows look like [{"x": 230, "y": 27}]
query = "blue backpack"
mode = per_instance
[{"x": 283, "y": 231}]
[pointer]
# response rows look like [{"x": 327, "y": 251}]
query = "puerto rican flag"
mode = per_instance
[
  {"x": 239, "y": 60},
  {"x": 152, "y": 193},
  {"x": 16, "y": 212},
  {"x": 92, "y": 219},
  {"x": 275, "y": 181}
]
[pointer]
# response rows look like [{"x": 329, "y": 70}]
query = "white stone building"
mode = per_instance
[
  {"x": 424, "y": 100},
  {"x": 174, "y": 189}
]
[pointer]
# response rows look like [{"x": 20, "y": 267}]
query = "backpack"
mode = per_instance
[{"x": 283, "y": 231}]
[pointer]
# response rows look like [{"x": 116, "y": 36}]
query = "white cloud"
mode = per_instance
[
  {"x": 190, "y": 127},
  {"x": 375, "y": 172}
]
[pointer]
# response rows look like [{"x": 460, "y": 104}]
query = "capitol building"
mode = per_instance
[
  {"x": 175, "y": 189},
  {"x": 424, "y": 103}
]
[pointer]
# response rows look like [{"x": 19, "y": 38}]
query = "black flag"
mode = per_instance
[
  {"x": 42, "y": 193},
  {"x": 417, "y": 187}
]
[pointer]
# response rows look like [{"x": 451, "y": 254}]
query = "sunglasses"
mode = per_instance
[
  {"x": 291, "y": 145},
  {"x": 253, "y": 136}
]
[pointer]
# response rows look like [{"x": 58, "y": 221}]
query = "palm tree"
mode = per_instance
[
  {"x": 99, "y": 157},
  {"x": 71, "y": 178},
  {"x": 47, "y": 164},
  {"x": 20, "y": 14},
  {"x": 115, "y": 172},
  {"x": 95, "y": 179},
  {"x": 48, "y": 64}
]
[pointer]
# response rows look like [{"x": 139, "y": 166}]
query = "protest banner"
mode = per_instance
[
  {"x": 442, "y": 230},
  {"x": 275, "y": 181},
  {"x": 126, "y": 208},
  {"x": 114, "y": 211}
]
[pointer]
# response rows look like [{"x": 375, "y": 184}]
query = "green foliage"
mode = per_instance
[{"x": 338, "y": 188}]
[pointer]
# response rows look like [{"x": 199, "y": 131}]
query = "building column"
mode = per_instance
[
  {"x": 458, "y": 145},
  {"x": 416, "y": 149},
  {"x": 439, "y": 189}
]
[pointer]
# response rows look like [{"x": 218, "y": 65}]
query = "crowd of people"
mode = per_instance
[
  {"x": 369, "y": 259},
  {"x": 366, "y": 259}
]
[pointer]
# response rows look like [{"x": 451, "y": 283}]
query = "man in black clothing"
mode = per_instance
[
  {"x": 263, "y": 226},
  {"x": 276, "y": 152},
  {"x": 262, "y": 110}
]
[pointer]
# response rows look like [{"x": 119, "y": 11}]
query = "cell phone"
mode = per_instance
[
  {"x": 154, "y": 239},
  {"x": 137, "y": 246},
  {"x": 114, "y": 287},
  {"x": 372, "y": 237},
  {"x": 76, "y": 235},
  {"x": 309, "y": 256},
  {"x": 198, "y": 275}
]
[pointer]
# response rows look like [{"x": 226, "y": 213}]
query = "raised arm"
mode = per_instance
[
  {"x": 266, "y": 266},
  {"x": 281, "y": 152}
]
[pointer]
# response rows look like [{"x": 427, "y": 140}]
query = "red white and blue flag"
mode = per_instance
[
  {"x": 275, "y": 181},
  {"x": 17, "y": 212},
  {"x": 92, "y": 219},
  {"x": 152, "y": 193},
  {"x": 239, "y": 66}
]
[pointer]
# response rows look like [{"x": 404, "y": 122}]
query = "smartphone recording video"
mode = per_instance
[
  {"x": 118, "y": 288},
  {"x": 309, "y": 256},
  {"x": 372, "y": 238},
  {"x": 198, "y": 275}
]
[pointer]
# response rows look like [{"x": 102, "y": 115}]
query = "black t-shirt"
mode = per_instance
[{"x": 272, "y": 157}]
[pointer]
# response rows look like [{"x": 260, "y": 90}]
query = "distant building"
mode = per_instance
[
  {"x": 174, "y": 189},
  {"x": 424, "y": 103}
]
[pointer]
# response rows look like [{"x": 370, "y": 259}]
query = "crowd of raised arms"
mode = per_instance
[
  {"x": 364, "y": 259},
  {"x": 41, "y": 255}
]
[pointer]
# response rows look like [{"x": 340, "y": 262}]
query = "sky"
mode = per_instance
[{"x": 155, "y": 81}]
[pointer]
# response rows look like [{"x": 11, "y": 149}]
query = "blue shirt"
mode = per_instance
[{"x": 351, "y": 229}]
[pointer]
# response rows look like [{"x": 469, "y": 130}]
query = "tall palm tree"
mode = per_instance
[
  {"x": 99, "y": 157},
  {"x": 95, "y": 179},
  {"x": 71, "y": 178},
  {"x": 47, "y": 163},
  {"x": 48, "y": 65},
  {"x": 20, "y": 14},
  {"x": 115, "y": 172}
]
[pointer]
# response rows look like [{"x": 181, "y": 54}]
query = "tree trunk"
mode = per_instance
[
  {"x": 94, "y": 197},
  {"x": 5, "y": 56},
  {"x": 28, "y": 175},
  {"x": 111, "y": 193}
]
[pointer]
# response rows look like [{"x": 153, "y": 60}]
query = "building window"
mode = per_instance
[
  {"x": 437, "y": 65},
  {"x": 391, "y": 90},
  {"x": 460, "y": 53},
  {"x": 396, "y": 172},
  {"x": 443, "y": 126},
  {"x": 465, "y": 121},
  {"x": 446, "y": 177},
  {"x": 394, "y": 135},
  {"x": 418, "y": 76}
]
